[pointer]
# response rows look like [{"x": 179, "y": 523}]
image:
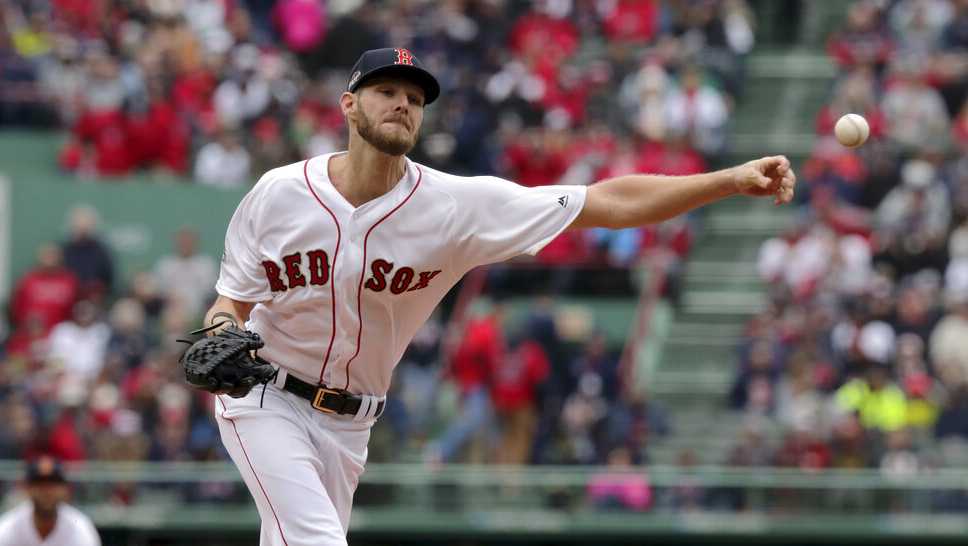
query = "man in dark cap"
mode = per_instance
[
  {"x": 47, "y": 520},
  {"x": 336, "y": 262}
]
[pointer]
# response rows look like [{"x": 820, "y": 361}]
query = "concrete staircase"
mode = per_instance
[{"x": 695, "y": 351}]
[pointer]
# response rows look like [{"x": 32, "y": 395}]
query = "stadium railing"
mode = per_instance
[{"x": 550, "y": 501}]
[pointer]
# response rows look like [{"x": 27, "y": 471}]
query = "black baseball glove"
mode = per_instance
[{"x": 226, "y": 363}]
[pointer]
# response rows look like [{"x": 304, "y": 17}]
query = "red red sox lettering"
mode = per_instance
[{"x": 290, "y": 274}]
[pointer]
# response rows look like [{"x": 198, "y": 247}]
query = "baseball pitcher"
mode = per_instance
[{"x": 333, "y": 263}]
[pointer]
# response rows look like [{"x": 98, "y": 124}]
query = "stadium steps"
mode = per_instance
[
  {"x": 698, "y": 352},
  {"x": 772, "y": 117}
]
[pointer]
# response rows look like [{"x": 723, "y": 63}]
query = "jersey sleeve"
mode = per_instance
[
  {"x": 241, "y": 274},
  {"x": 499, "y": 219}
]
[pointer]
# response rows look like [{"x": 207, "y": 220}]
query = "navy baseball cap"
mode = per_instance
[
  {"x": 45, "y": 469},
  {"x": 397, "y": 63}
]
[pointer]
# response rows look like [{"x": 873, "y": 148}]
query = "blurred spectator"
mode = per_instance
[
  {"x": 850, "y": 444},
  {"x": 245, "y": 95},
  {"x": 86, "y": 256},
  {"x": 143, "y": 288},
  {"x": 617, "y": 488},
  {"x": 644, "y": 94},
  {"x": 953, "y": 421},
  {"x": 634, "y": 423},
  {"x": 699, "y": 110},
  {"x": 918, "y": 25},
  {"x": 924, "y": 394},
  {"x": 915, "y": 112},
  {"x": 21, "y": 425},
  {"x": 60, "y": 431},
  {"x": 224, "y": 163},
  {"x": 156, "y": 133},
  {"x": 949, "y": 342},
  {"x": 537, "y": 158},
  {"x": 913, "y": 219},
  {"x": 803, "y": 448},
  {"x": 186, "y": 277},
  {"x": 753, "y": 389},
  {"x": 864, "y": 41},
  {"x": 900, "y": 460},
  {"x": 583, "y": 420},
  {"x": 302, "y": 23},
  {"x": 688, "y": 494},
  {"x": 879, "y": 403},
  {"x": 416, "y": 378},
  {"x": 751, "y": 447},
  {"x": 955, "y": 36},
  {"x": 477, "y": 356},
  {"x": 128, "y": 344},
  {"x": 800, "y": 406},
  {"x": 99, "y": 145},
  {"x": 22, "y": 42},
  {"x": 78, "y": 346},
  {"x": 46, "y": 293},
  {"x": 629, "y": 20},
  {"x": 515, "y": 382}
]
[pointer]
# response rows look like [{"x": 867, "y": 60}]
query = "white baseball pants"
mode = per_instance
[{"x": 300, "y": 465}]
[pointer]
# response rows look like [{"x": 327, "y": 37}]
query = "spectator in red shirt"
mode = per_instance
[
  {"x": 630, "y": 20},
  {"x": 191, "y": 94},
  {"x": 803, "y": 449},
  {"x": 516, "y": 380},
  {"x": 474, "y": 360},
  {"x": 99, "y": 145},
  {"x": 156, "y": 133},
  {"x": 671, "y": 157},
  {"x": 535, "y": 159},
  {"x": 545, "y": 34},
  {"x": 81, "y": 17},
  {"x": 567, "y": 95},
  {"x": 45, "y": 293}
]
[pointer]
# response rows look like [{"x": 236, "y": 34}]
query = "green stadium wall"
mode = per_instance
[{"x": 139, "y": 215}]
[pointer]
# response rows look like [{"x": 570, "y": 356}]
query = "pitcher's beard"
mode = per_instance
[{"x": 388, "y": 145}]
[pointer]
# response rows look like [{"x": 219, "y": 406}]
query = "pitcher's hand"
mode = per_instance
[{"x": 766, "y": 176}]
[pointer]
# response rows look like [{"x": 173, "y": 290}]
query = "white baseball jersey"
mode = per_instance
[
  {"x": 73, "y": 528},
  {"x": 343, "y": 289}
]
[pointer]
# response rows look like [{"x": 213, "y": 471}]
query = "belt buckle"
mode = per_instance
[{"x": 321, "y": 393}]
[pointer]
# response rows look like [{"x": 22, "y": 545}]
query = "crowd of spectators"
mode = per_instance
[
  {"x": 860, "y": 354},
  {"x": 540, "y": 92}
]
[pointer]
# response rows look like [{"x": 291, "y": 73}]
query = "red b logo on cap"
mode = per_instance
[{"x": 404, "y": 56}]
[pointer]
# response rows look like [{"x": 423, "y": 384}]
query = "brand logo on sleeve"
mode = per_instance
[{"x": 563, "y": 201}]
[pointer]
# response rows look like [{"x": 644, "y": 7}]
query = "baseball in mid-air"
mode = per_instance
[{"x": 852, "y": 130}]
